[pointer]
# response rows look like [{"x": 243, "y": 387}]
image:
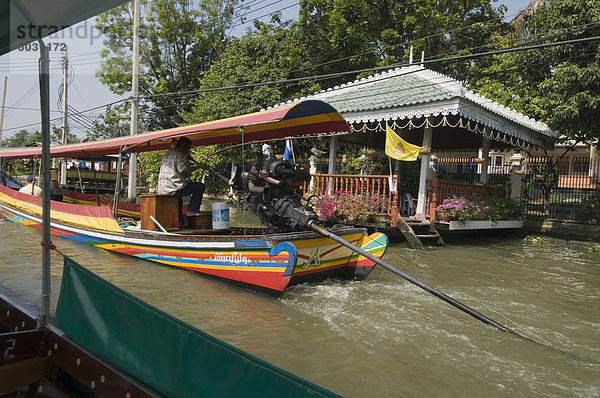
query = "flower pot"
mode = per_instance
[
  {"x": 379, "y": 218},
  {"x": 364, "y": 219},
  {"x": 441, "y": 215},
  {"x": 480, "y": 216},
  {"x": 371, "y": 154}
]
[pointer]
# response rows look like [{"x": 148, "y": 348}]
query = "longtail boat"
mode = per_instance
[{"x": 267, "y": 262}]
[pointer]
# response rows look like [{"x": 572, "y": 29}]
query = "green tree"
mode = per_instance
[
  {"x": 269, "y": 52},
  {"x": 178, "y": 43},
  {"x": 25, "y": 138},
  {"x": 22, "y": 138},
  {"x": 366, "y": 33},
  {"x": 114, "y": 122},
  {"x": 558, "y": 85}
]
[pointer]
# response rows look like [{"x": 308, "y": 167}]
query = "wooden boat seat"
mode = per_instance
[{"x": 163, "y": 208}]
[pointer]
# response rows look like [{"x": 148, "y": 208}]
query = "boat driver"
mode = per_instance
[{"x": 175, "y": 168}]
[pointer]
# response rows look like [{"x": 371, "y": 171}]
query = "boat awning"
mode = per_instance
[
  {"x": 306, "y": 117},
  {"x": 24, "y": 21}
]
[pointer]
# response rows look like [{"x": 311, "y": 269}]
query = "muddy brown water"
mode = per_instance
[{"x": 383, "y": 337}]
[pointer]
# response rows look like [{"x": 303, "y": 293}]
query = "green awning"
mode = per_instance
[{"x": 165, "y": 353}]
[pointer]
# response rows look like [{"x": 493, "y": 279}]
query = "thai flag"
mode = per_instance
[{"x": 289, "y": 150}]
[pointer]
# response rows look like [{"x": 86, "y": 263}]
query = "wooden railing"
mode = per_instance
[
  {"x": 438, "y": 190},
  {"x": 377, "y": 185},
  {"x": 372, "y": 185}
]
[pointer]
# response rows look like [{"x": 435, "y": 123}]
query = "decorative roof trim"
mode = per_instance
[
  {"x": 459, "y": 101},
  {"x": 455, "y": 106}
]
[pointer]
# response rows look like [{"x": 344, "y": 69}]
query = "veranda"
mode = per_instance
[{"x": 570, "y": 191}]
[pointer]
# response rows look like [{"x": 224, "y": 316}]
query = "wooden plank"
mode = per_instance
[
  {"x": 23, "y": 373},
  {"x": 18, "y": 346},
  {"x": 475, "y": 225},
  {"x": 409, "y": 234}
]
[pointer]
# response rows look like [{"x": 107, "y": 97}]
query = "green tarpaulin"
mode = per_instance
[{"x": 167, "y": 354}]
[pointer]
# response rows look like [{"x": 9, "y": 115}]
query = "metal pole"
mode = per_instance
[
  {"x": 332, "y": 161},
  {"x": 63, "y": 163},
  {"x": 115, "y": 209},
  {"x": 134, "y": 98},
  {"x": 422, "y": 198},
  {"x": 2, "y": 110},
  {"x": 45, "y": 106}
]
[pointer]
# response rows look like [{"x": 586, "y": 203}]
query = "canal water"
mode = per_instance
[{"x": 383, "y": 337}]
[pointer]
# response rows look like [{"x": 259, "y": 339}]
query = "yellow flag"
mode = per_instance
[{"x": 397, "y": 148}]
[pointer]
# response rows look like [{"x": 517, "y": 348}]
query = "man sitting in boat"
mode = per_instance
[
  {"x": 55, "y": 191},
  {"x": 31, "y": 188},
  {"x": 175, "y": 169}
]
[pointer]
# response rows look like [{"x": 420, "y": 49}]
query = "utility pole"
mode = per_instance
[
  {"x": 2, "y": 110},
  {"x": 63, "y": 163},
  {"x": 134, "y": 98},
  {"x": 44, "y": 76}
]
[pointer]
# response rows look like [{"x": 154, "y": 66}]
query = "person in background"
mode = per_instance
[
  {"x": 55, "y": 191},
  {"x": 255, "y": 183},
  {"x": 175, "y": 168},
  {"x": 31, "y": 188}
]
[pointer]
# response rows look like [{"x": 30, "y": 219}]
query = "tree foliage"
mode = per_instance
[
  {"x": 268, "y": 53},
  {"x": 178, "y": 43},
  {"x": 25, "y": 138},
  {"x": 114, "y": 122},
  {"x": 365, "y": 33},
  {"x": 558, "y": 85}
]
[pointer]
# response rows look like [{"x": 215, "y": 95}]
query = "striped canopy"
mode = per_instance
[{"x": 307, "y": 117}]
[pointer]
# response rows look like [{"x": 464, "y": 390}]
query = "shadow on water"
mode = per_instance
[{"x": 384, "y": 337}]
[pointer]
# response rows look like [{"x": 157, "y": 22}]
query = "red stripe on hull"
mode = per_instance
[{"x": 269, "y": 280}]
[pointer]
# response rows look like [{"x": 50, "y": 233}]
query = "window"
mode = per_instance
[{"x": 581, "y": 166}]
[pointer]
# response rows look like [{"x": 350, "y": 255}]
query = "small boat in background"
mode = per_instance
[{"x": 80, "y": 198}]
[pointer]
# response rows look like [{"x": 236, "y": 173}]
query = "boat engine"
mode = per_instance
[{"x": 272, "y": 190}]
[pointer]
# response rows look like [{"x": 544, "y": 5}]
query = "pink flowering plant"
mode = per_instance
[
  {"x": 471, "y": 208},
  {"x": 345, "y": 206},
  {"x": 464, "y": 209}
]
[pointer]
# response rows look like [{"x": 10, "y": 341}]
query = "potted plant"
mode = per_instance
[
  {"x": 462, "y": 209},
  {"x": 347, "y": 207}
]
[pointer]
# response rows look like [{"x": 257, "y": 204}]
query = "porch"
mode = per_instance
[{"x": 395, "y": 203}]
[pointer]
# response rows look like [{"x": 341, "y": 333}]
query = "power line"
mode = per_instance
[
  {"x": 59, "y": 118},
  {"x": 380, "y": 68},
  {"x": 262, "y": 16},
  {"x": 339, "y": 74}
]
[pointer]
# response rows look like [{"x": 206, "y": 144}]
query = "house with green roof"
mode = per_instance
[{"x": 430, "y": 109}]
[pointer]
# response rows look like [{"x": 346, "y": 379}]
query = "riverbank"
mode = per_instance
[{"x": 563, "y": 229}]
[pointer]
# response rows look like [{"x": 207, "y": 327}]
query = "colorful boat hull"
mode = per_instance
[
  {"x": 79, "y": 198},
  {"x": 269, "y": 263}
]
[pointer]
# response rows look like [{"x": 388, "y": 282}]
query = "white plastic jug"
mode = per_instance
[{"x": 220, "y": 215}]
